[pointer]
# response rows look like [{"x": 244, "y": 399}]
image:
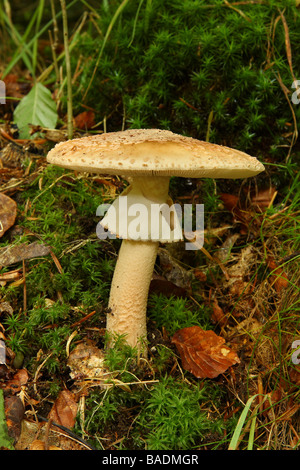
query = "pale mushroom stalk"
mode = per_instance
[
  {"x": 129, "y": 292},
  {"x": 135, "y": 264}
]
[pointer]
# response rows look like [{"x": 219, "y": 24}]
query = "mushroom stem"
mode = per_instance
[
  {"x": 129, "y": 292},
  {"x": 134, "y": 268}
]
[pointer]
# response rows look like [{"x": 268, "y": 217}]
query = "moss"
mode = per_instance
[
  {"x": 173, "y": 415},
  {"x": 175, "y": 313},
  {"x": 59, "y": 210},
  {"x": 171, "y": 64}
]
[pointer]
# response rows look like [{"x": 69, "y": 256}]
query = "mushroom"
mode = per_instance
[{"x": 147, "y": 158}]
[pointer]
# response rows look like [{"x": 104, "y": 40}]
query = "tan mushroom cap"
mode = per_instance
[{"x": 152, "y": 152}]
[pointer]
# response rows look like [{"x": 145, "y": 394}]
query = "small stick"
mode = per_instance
[{"x": 24, "y": 288}]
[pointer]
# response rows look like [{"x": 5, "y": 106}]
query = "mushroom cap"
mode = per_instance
[{"x": 152, "y": 152}]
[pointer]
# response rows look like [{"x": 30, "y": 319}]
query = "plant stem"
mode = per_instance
[{"x": 68, "y": 69}]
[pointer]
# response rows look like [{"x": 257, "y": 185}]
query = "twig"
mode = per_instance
[
  {"x": 270, "y": 55},
  {"x": 68, "y": 69},
  {"x": 67, "y": 432},
  {"x": 48, "y": 426},
  {"x": 37, "y": 373},
  {"x": 229, "y": 5},
  {"x": 89, "y": 315},
  {"x": 287, "y": 44},
  {"x": 24, "y": 288}
]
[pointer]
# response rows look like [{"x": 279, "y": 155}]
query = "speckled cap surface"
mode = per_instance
[{"x": 152, "y": 152}]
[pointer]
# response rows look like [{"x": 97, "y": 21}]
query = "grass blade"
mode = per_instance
[{"x": 237, "y": 432}]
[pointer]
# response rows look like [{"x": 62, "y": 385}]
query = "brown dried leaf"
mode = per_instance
[
  {"x": 86, "y": 361},
  {"x": 38, "y": 444},
  {"x": 12, "y": 156},
  {"x": 200, "y": 275},
  {"x": 173, "y": 271},
  {"x": 224, "y": 251},
  {"x": 294, "y": 374},
  {"x": 10, "y": 276},
  {"x": 8, "y": 213},
  {"x": 203, "y": 353},
  {"x": 264, "y": 198},
  {"x": 54, "y": 135},
  {"x": 15, "y": 88},
  {"x": 19, "y": 379},
  {"x": 161, "y": 285},
  {"x": 64, "y": 409},
  {"x": 218, "y": 316},
  {"x": 14, "y": 412},
  {"x": 15, "y": 253},
  {"x": 5, "y": 307},
  {"x": 240, "y": 215},
  {"x": 278, "y": 277},
  {"x": 85, "y": 120}
]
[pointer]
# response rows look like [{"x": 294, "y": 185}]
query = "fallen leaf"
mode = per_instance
[
  {"x": 161, "y": 285},
  {"x": 218, "y": 316},
  {"x": 37, "y": 444},
  {"x": 200, "y": 275},
  {"x": 203, "y": 353},
  {"x": 263, "y": 198},
  {"x": 224, "y": 251},
  {"x": 15, "y": 87},
  {"x": 28, "y": 438},
  {"x": 86, "y": 361},
  {"x": 294, "y": 374},
  {"x": 8, "y": 213},
  {"x": 12, "y": 156},
  {"x": 85, "y": 120},
  {"x": 14, "y": 412},
  {"x": 40, "y": 445},
  {"x": 8, "y": 277},
  {"x": 19, "y": 379},
  {"x": 232, "y": 203},
  {"x": 9, "y": 174},
  {"x": 53, "y": 135},
  {"x": 15, "y": 253},
  {"x": 278, "y": 277},
  {"x": 173, "y": 271},
  {"x": 64, "y": 409},
  {"x": 238, "y": 273},
  {"x": 6, "y": 308},
  {"x": 242, "y": 214}
]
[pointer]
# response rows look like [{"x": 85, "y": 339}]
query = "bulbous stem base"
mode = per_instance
[{"x": 129, "y": 292}]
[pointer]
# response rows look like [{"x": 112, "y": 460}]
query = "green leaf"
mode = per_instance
[
  {"x": 37, "y": 108},
  {"x": 5, "y": 440}
]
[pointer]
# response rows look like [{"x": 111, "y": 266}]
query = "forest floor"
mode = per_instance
[{"x": 236, "y": 298}]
